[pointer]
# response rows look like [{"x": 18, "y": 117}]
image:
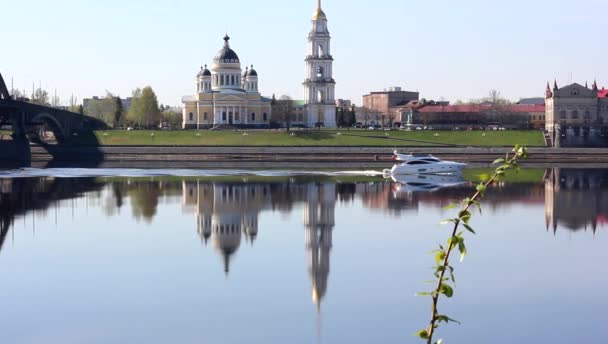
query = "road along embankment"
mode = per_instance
[{"x": 299, "y": 156}]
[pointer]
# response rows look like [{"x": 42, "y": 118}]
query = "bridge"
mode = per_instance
[{"x": 33, "y": 122}]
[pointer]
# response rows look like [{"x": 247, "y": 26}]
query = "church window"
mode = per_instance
[
  {"x": 320, "y": 50},
  {"x": 574, "y": 114},
  {"x": 232, "y": 79},
  {"x": 223, "y": 116},
  {"x": 221, "y": 80},
  {"x": 562, "y": 114},
  {"x": 253, "y": 116},
  {"x": 265, "y": 116},
  {"x": 205, "y": 116},
  {"x": 237, "y": 117},
  {"x": 191, "y": 116}
]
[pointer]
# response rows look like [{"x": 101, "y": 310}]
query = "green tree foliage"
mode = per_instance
[
  {"x": 118, "y": 112},
  {"x": 102, "y": 108},
  {"x": 170, "y": 117},
  {"x": 144, "y": 109}
]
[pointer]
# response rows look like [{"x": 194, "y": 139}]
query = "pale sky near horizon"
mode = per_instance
[{"x": 444, "y": 48}]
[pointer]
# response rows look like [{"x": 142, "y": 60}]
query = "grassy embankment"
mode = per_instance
[{"x": 315, "y": 138}]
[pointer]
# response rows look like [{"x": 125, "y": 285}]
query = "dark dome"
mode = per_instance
[
  {"x": 252, "y": 72},
  {"x": 204, "y": 72},
  {"x": 226, "y": 55}
]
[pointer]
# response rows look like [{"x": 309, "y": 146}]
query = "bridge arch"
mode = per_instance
[{"x": 51, "y": 123}]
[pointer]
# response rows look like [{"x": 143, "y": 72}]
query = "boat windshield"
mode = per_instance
[{"x": 418, "y": 162}]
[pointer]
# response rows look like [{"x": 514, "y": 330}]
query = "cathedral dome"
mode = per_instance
[
  {"x": 252, "y": 72},
  {"x": 203, "y": 72},
  {"x": 226, "y": 55}
]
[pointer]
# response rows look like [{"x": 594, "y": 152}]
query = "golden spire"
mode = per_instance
[{"x": 318, "y": 14}]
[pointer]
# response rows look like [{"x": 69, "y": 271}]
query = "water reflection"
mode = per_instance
[
  {"x": 577, "y": 199},
  {"x": 227, "y": 214}
]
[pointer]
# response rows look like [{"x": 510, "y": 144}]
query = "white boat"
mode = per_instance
[
  {"x": 422, "y": 164},
  {"x": 425, "y": 182}
]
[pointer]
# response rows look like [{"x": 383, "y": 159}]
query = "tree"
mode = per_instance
[
  {"x": 283, "y": 110},
  {"x": 118, "y": 111},
  {"x": 171, "y": 117},
  {"x": 103, "y": 108},
  {"x": 40, "y": 97},
  {"x": 144, "y": 107},
  {"x": 81, "y": 109}
]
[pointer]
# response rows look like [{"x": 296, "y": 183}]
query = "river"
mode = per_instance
[{"x": 162, "y": 256}]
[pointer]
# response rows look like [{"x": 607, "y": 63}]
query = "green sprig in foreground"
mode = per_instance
[{"x": 445, "y": 284}]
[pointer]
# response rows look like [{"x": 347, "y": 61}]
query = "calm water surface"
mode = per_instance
[{"x": 297, "y": 259}]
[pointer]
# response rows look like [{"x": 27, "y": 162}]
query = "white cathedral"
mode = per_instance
[{"x": 225, "y": 96}]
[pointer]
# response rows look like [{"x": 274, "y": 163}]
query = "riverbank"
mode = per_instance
[{"x": 299, "y": 157}]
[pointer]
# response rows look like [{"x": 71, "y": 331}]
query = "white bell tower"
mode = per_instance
[{"x": 319, "y": 85}]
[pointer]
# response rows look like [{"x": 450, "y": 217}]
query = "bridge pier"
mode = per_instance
[{"x": 19, "y": 148}]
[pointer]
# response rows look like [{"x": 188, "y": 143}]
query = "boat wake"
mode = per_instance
[{"x": 121, "y": 172}]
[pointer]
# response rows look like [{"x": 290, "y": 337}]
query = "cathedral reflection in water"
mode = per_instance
[{"x": 228, "y": 212}]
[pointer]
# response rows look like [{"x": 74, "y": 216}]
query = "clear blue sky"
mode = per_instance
[{"x": 444, "y": 48}]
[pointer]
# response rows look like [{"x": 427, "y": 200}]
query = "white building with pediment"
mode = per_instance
[
  {"x": 225, "y": 96},
  {"x": 576, "y": 115}
]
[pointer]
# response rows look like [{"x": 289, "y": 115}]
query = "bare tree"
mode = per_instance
[{"x": 283, "y": 111}]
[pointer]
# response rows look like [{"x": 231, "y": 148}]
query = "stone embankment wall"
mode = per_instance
[{"x": 321, "y": 157}]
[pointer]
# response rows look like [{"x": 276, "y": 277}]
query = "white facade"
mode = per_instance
[{"x": 319, "y": 85}]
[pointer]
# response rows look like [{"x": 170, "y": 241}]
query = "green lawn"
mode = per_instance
[{"x": 315, "y": 138}]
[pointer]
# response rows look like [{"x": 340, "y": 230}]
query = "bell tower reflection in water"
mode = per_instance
[{"x": 319, "y": 221}]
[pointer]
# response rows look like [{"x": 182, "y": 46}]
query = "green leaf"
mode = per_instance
[
  {"x": 424, "y": 334},
  {"x": 446, "y": 221},
  {"x": 445, "y": 319},
  {"x": 446, "y": 290},
  {"x": 498, "y": 161},
  {"x": 424, "y": 293},
  {"x": 482, "y": 188},
  {"x": 463, "y": 250},
  {"x": 439, "y": 257},
  {"x": 465, "y": 216},
  {"x": 450, "y": 206},
  {"x": 469, "y": 228}
]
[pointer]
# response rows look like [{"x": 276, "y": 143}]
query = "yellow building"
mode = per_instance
[{"x": 225, "y": 96}]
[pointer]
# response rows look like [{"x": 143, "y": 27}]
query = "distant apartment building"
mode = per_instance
[
  {"x": 576, "y": 115},
  {"x": 382, "y": 102},
  {"x": 89, "y": 103}
]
